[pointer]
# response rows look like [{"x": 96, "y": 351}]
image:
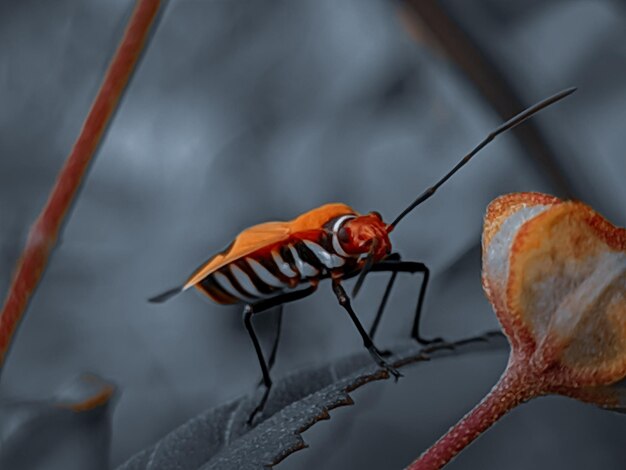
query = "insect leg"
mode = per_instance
[
  {"x": 344, "y": 301},
  {"x": 279, "y": 323},
  {"x": 383, "y": 303},
  {"x": 411, "y": 267},
  {"x": 248, "y": 312}
]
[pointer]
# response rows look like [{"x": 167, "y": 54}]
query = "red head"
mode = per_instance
[{"x": 361, "y": 235}]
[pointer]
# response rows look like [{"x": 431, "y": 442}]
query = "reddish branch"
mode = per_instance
[
  {"x": 513, "y": 388},
  {"x": 44, "y": 232}
]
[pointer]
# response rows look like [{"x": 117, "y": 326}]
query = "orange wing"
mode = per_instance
[{"x": 258, "y": 236}]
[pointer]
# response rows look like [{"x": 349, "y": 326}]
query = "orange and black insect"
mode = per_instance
[{"x": 270, "y": 264}]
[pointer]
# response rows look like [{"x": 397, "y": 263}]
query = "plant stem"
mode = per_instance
[
  {"x": 43, "y": 234},
  {"x": 513, "y": 388}
]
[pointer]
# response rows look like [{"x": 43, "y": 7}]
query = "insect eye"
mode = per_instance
[{"x": 343, "y": 235}]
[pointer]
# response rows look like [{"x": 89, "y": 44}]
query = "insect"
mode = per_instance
[{"x": 273, "y": 263}]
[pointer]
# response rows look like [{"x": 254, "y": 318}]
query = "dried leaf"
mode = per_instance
[{"x": 556, "y": 274}]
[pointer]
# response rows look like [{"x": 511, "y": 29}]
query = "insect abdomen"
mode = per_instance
[{"x": 271, "y": 271}]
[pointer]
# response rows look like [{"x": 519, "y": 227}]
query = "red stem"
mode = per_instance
[
  {"x": 513, "y": 388},
  {"x": 44, "y": 232}
]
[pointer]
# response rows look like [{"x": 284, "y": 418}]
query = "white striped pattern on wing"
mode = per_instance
[
  {"x": 282, "y": 265},
  {"x": 327, "y": 259},
  {"x": 264, "y": 274},
  {"x": 225, "y": 284},
  {"x": 244, "y": 281},
  {"x": 305, "y": 269}
]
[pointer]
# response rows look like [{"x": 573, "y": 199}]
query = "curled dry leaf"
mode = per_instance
[{"x": 555, "y": 273}]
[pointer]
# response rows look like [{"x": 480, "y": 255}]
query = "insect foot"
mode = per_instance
[
  {"x": 258, "y": 411},
  {"x": 555, "y": 274},
  {"x": 384, "y": 364},
  {"x": 393, "y": 371},
  {"x": 428, "y": 342},
  {"x": 385, "y": 353}
]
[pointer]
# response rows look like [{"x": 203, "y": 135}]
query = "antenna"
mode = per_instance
[{"x": 510, "y": 124}]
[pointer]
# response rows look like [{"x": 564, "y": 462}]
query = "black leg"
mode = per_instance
[
  {"x": 408, "y": 267},
  {"x": 415, "y": 330},
  {"x": 248, "y": 312},
  {"x": 279, "y": 323},
  {"x": 267, "y": 380},
  {"x": 383, "y": 303},
  {"x": 344, "y": 301}
]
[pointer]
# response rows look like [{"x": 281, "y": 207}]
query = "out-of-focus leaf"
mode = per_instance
[
  {"x": 219, "y": 438},
  {"x": 72, "y": 430}
]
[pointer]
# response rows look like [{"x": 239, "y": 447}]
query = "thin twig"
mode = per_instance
[
  {"x": 44, "y": 232},
  {"x": 512, "y": 389}
]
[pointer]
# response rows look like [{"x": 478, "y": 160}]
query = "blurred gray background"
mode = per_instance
[{"x": 247, "y": 111}]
